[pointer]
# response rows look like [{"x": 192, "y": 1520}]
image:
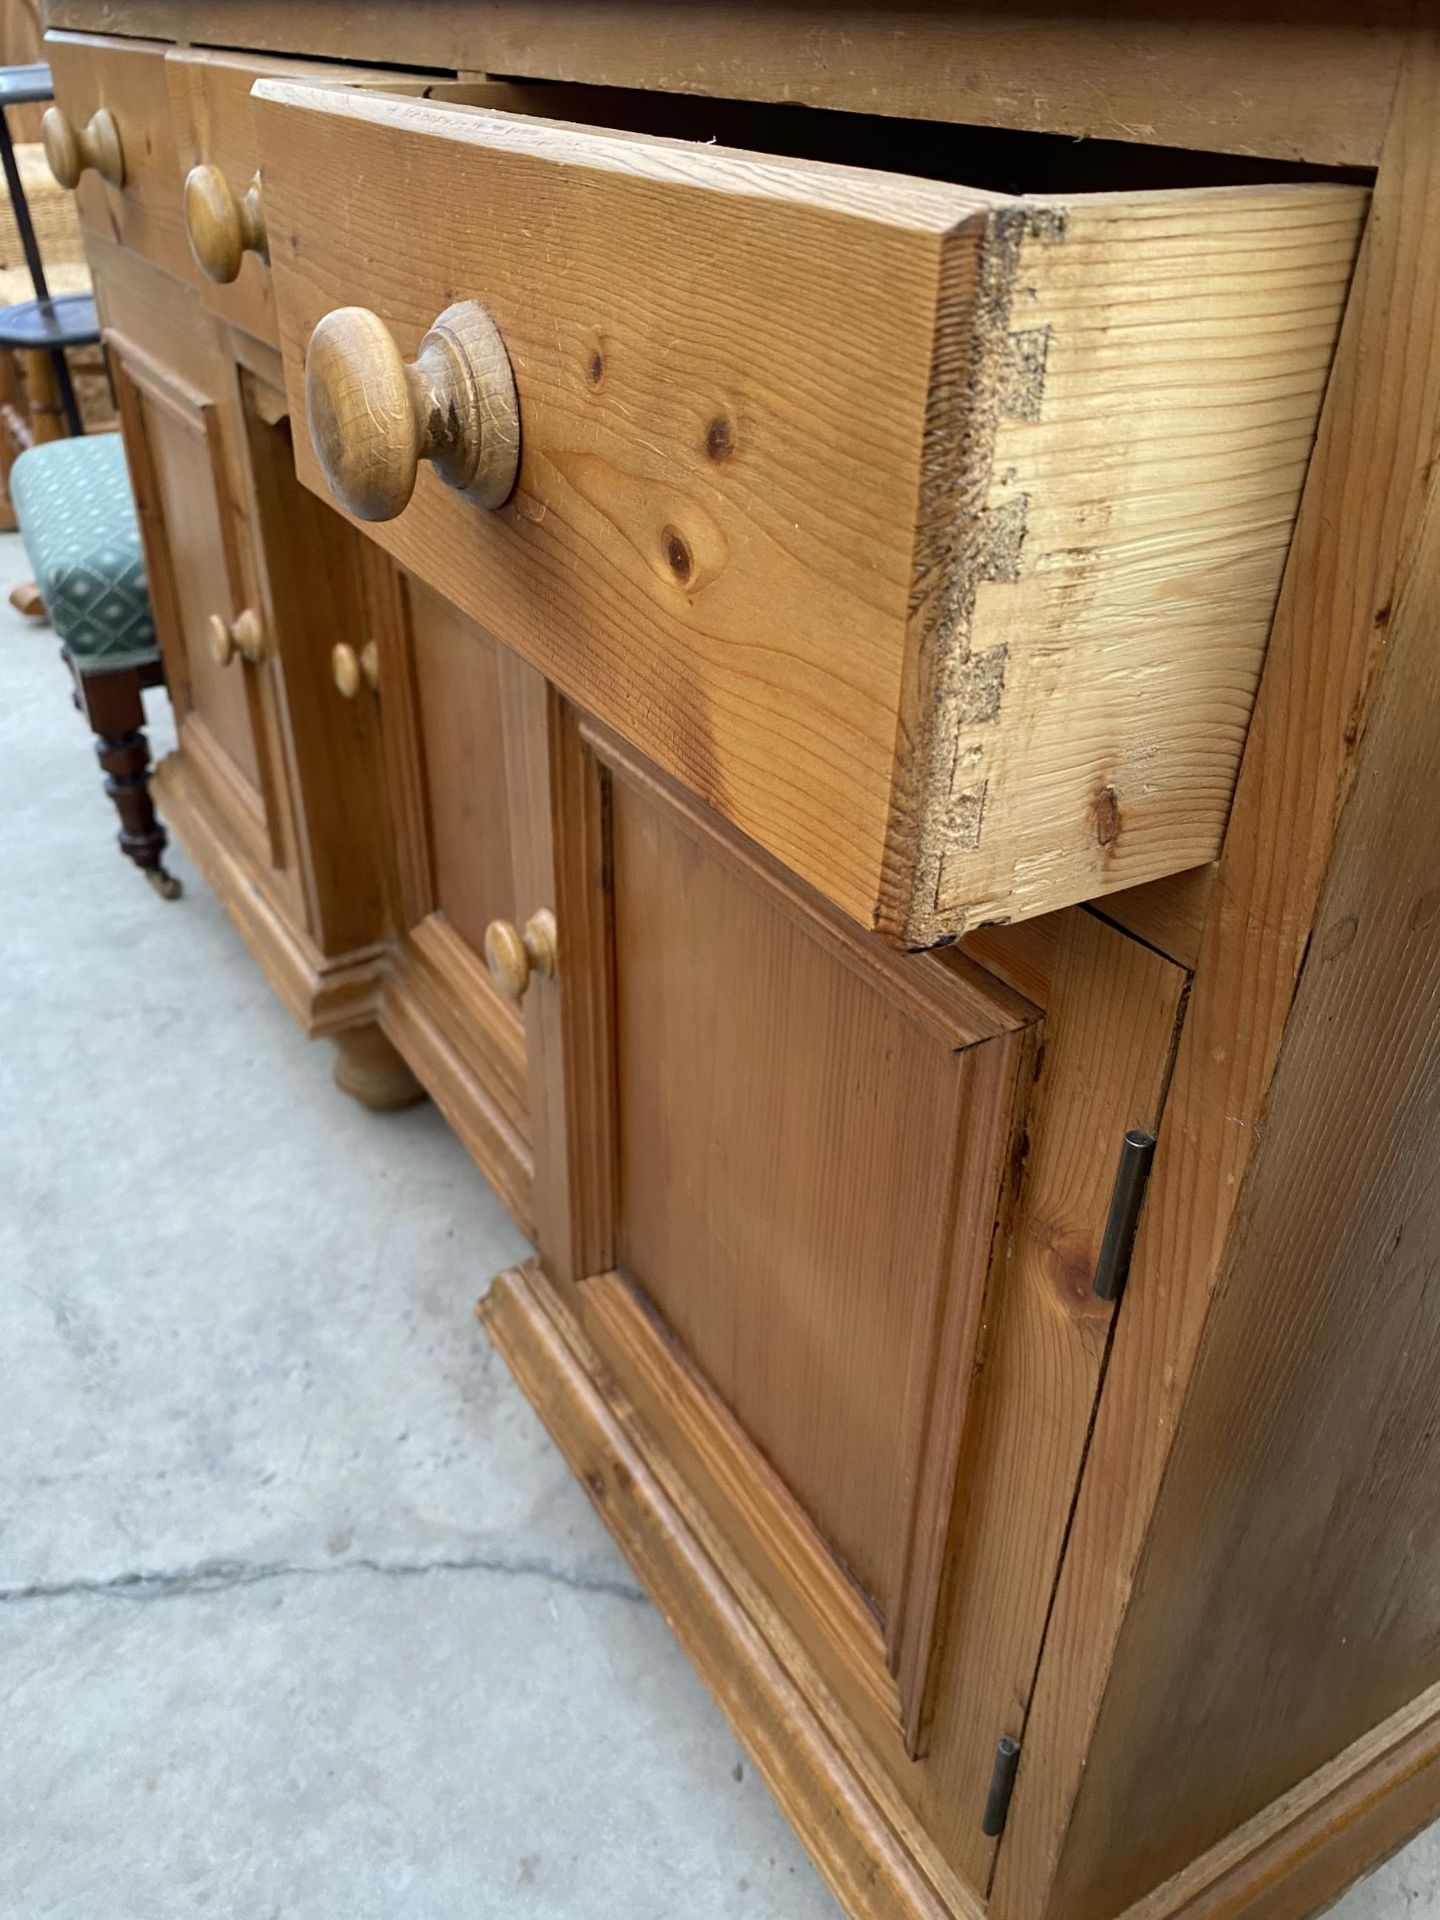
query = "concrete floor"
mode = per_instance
[{"x": 301, "y": 1615}]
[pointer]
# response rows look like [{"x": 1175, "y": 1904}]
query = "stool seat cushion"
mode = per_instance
[{"x": 77, "y": 516}]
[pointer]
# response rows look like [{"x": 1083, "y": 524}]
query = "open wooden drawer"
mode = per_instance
[{"x": 929, "y": 533}]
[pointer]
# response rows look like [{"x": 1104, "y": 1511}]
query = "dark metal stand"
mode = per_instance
[{"x": 44, "y": 322}]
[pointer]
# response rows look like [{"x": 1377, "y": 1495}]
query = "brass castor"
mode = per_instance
[{"x": 165, "y": 884}]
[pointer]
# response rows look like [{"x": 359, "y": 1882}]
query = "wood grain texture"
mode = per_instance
[
  {"x": 212, "y": 128},
  {"x": 1291, "y": 1861},
  {"x": 1297, "y": 1531},
  {"x": 448, "y": 828},
  {"x": 1306, "y": 82},
  {"x": 320, "y": 995},
  {"x": 1353, "y": 549},
  {"x": 1080, "y": 697},
  {"x": 368, "y": 1069},
  {"x": 1111, "y": 1010},
  {"x": 461, "y": 750},
  {"x": 464, "y": 1045},
  {"x": 127, "y": 77},
  {"x": 557, "y": 811},
  {"x": 865, "y": 1861},
  {"x": 1112, "y": 1013},
  {"x": 387, "y": 616},
  {"x": 812, "y": 1213},
  {"x": 21, "y": 33},
  {"x": 175, "y": 444},
  {"x": 209, "y": 97},
  {"x": 373, "y": 416},
  {"x": 307, "y": 571},
  {"x": 224, "y": 226},
  {"x": 1168, "y": 915},
  {"x": 757, "y": 1513},
  {"x": 919, "y": 604},
  {"x": 290, "y": 830}
]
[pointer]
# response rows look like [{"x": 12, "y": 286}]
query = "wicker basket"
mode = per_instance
[{"x": 52, "y": 214}]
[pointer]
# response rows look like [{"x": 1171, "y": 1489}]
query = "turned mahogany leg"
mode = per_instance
[
  {"x": 369, "y": 1069},
  {"x": 110, "y": 700},
  {"x": 126, "y": 761}
]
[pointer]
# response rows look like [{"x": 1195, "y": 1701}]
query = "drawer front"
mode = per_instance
[
  {"x": 224, "y": 201},
  {"x": 126, "y": 79},
  {"x": 222, "y": 208},
  {"x": 931, "y": 537}
]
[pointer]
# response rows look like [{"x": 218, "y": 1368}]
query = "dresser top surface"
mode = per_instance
[{"x": 1295, "y": 80}]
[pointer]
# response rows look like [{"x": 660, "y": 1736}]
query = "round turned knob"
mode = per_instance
[
  {"x": 352, "y": 670},
  {"x": 244, "y": 635},
  {"x": 71, "y": 149},
  {"x": 512, "y": 956},
  {"x": 373, "y": 419},
  {"x": 223, "y": 229}
]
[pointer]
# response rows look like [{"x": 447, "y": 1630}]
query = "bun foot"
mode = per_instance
[{"x": 369, "y": 1069}]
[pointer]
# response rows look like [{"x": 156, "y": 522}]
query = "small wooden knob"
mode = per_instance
[
  {"x": 70, "y": 150},
  {"x": 223, "y": 229},
  {"x": 244, "y": 635},
  {"x": 373, "y": 419},
  {"x": 352, "y": 670},
  {"x": 512, "y": 956}
]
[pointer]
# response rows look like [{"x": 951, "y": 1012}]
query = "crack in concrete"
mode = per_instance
[{"x": 221, "y": 1576}]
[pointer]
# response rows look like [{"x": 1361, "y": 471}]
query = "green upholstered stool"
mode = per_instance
[{"x": 77, "y": 516}]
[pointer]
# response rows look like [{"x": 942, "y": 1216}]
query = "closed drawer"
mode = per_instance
[
  {"x": 218, "y": 175},
  {"x": 110, "y": 136},
  {"x": 930, "y": 534}
]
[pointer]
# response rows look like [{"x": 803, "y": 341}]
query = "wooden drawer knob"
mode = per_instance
[
  {"x": 512, "y": 956},
  {"x": 70, "y": 150},
  {"x": 373, "y": 419},
  {"x": 353, "y": 670},
  {"x": 244, "y": 635},
  {"x": 223, "y": 229}
]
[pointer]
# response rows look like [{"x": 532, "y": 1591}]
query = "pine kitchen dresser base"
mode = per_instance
[{"x": 868, "y": 487}]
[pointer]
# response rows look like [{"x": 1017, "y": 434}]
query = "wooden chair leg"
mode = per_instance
[
  {"x": 14, "y": 431},
  {"x": 110, "y": 700},
  {"x": 45, "y": 404}
]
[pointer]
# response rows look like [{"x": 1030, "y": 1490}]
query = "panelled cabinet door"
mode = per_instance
[
  {"x": 443, "y": 686},
  {"x": 310, "y": 567},
  {"x": 829, "y": 1214},
  {"x": 811, "y": 1145},
  {"x": 212, "y": 633},
  {"x": 795, "y": 1173}
]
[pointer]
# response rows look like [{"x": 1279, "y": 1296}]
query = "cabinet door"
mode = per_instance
[
  {"x": 444, "y": 689},
  {"x": 171, "y": 416},
  {"x": 830, "y": 1216},
  {"x": 795, "y": 1147}
]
